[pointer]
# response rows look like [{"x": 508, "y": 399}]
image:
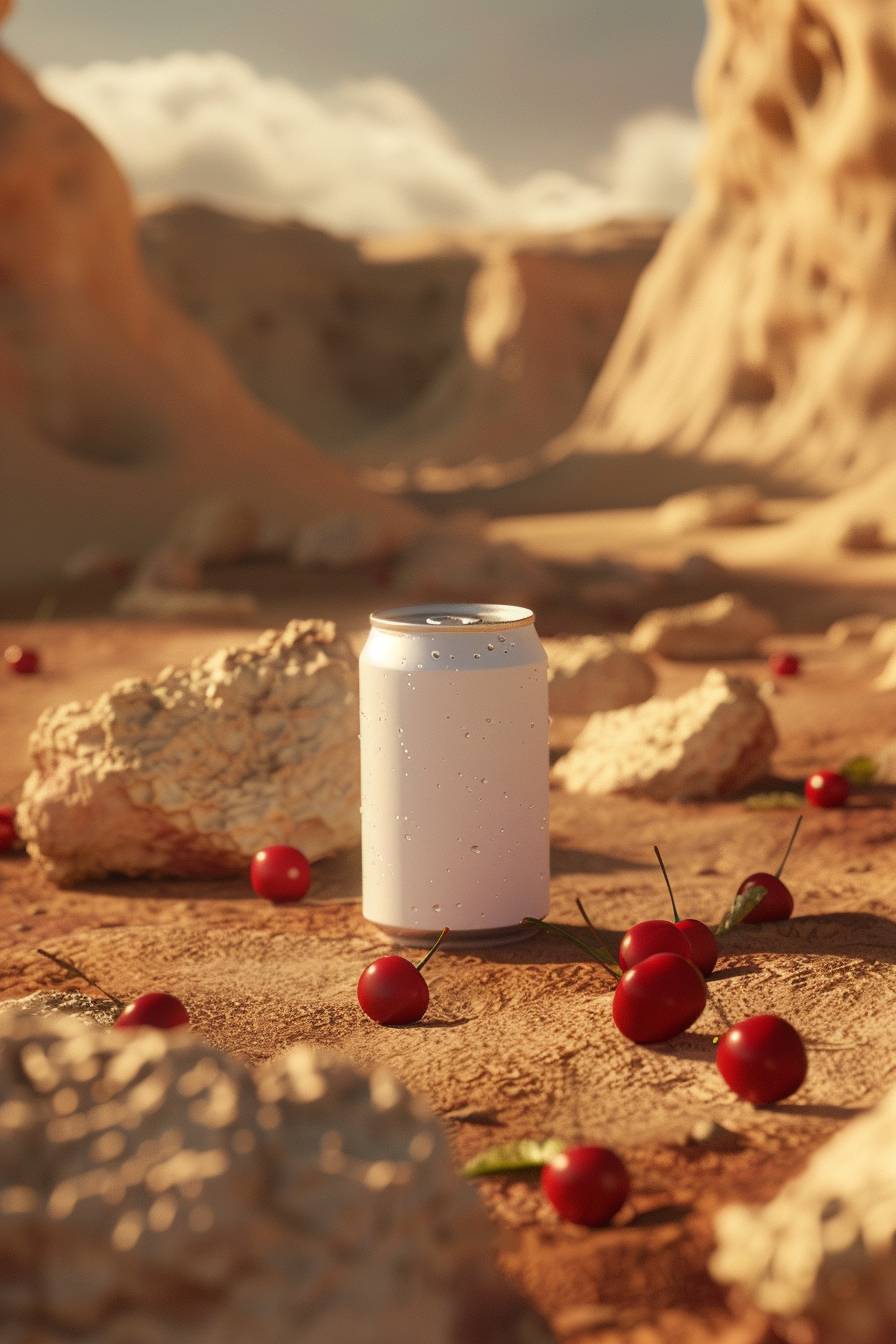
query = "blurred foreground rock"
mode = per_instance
[
  {"x": 724, "y": 506},
  {"x": 727, "y": 626},
  {"x": 859, "y": 629},
  {"x": 152, "y": 1190},
  {"x": 190, "y": 773},
  {"x": 820, "y": 1258},
  {"x": 710, "y": 742},
  {"x": 596, "y": 672}
]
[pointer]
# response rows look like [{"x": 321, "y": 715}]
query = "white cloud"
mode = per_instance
[{"x": 364, "y": 157}]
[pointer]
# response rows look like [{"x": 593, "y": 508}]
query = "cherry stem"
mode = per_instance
[
  {"x": 606, "y": 956},
  {"x": 793, "y": 835},
  {"x": 76, "y": 970},
  {"x": 659, "y": 859},
  {"x": 421, "y": 964},
  {"x": 571, "y": 937}
]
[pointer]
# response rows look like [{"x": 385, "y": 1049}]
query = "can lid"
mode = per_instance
[{"x": 452, "y": 617}]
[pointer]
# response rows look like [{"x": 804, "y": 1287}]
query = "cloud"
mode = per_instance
[{"x": 368, "y": 156}]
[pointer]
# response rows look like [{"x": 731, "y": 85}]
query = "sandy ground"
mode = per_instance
[{"x": 519, "y": 1042}]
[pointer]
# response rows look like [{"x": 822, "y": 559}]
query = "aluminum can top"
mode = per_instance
[{"x": 451, "y": 618}]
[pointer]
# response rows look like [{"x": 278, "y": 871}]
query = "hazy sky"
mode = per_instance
[{"x": 523, "y": 87}]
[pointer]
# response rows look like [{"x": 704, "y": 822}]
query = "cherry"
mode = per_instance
[
  {"x": 586, "y": 1185},
  {"x": 658, "y": 998},
  {"x": 392, "y": 991},
  {"x": 762, "y": 1059},
  {"x": 777, "y": 903},
  {"x": 20, "y": 660},
  {"x": 784, "y": 664},
  {"x": 8, "y": 833},
  {"x": 154, "y": 1009},
  {"x": 704, "y": 950},
  {"x": 280, "y": 873},
  {"x": 826, "y": 788},
  {"x": 650, "y": 936}
]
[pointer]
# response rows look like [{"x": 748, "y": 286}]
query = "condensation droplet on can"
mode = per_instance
[
  {"x": 435, "y": 654},
  {"x": 490, "y": 647},
  {"x": 477, "y": 655},
  {"x": 437, "y": 908},
  {"x": 474, "y": 849}
]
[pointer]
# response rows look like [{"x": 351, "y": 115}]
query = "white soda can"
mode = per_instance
[{"x": 454, "y": 772}]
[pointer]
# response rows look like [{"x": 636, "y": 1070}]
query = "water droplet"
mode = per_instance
[
  {"x": 400, "y": 732},
  {"x": 474, "y": 849},
  {"x": 477, "y": 655},
  {"x": 466, "y": 734},
  {"x": 483, "y": 781},
  {"x": 501, "y": 639},
  {"x": 413, "y": 909},
  {"x": 435, "y": 654},
  {"x": 457, "y": 905},
  {"x": 490, "y": 647},
  {"x": 488, "y": 720},
  {"x": 406, "y": 836}
]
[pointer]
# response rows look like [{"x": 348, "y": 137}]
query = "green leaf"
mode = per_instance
[
  {"x": 523, "y": 1155},
  {"x": 771, "y": 802},
  {"x": 859, "y": 770},
  {"x": 740, "y": 908}
]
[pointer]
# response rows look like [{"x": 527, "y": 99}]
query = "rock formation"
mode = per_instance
[
  {"x": 152, "y": 1189},
  {"x": 820, "y": 1257},
  {"x": 727, "y": 626},
  {"x": 764, "y": 331},
  {"x": 596, "y": 672},
  {"x": 116, "y": 412},
  {"x": 190, "y": 773},
  {"x": 710, "y": 742}
]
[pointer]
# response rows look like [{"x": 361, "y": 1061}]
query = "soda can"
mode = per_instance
[{"x": 454, "y": 773}]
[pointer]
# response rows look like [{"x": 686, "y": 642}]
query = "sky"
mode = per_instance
[{"x": 384, "y": 115}]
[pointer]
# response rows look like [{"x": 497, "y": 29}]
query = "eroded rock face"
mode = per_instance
[
  {"x": 727, "y": 626},
  {"x": 764, "y": 330},
  {"x": 190, "y": 773},
  {"x": 710, "y": 742},
  {"x": 820, "y": 1256},
  {"x": 728, "y": 506},
  {"x": 596, "y": 672},
  {"x": 147, "y": 1180}
]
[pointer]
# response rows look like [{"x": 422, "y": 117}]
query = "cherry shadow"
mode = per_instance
[
  {"x": 732, "y": 972},
  {"x": 815, "y": 1110},
  {"x": 574, "y": 862},
  {"x": 859, "y": 934},
  {"x": 431, "y": 1022},
  {"x": 659, "y": 1216},
  {"x": 695, "y": 1045}
]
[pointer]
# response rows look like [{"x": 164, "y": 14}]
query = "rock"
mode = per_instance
[
  {"x": 727, "y": 626},
  {"x": 887, "y": 679},
  {"x": 853, "y": 629},
  {"x": 152, "y": 1189},
  {"x": 218, "y": 529},
  {"x": 614, "y": 584},
  {"x": 884, "y": 640},
  {"x": 189, "y": 773},
  {"x": 340, "y": 541},
  {"x": 451, "y": 560},
  {"x": 710, "y": 742},
  {"x": 885, "y": 764},
  {"x": 862, "y": 534},
  {"x": 596, "y": 672},
  {"x": 169, "y": 604},
  {"x": 723, "y": 506},
  {"x": 820, "y": 1256}
]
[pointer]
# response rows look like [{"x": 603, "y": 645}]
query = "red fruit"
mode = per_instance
[
  {"x": 586, "y": 1185},
  {"x": 658, "y": 998},
  {"x": 762, "y": 1059},
  {"x": 649, "y": 937},
  {"x": 392, "y": 991},
  {"x": 702, "y": 942},
  {"x": 280, "y": 873},
  {"x": 22, "y": 661},
  {"x": 784, "y": 664},
  {"x": 825, "y": 788},
  {"x": 7, "y": 835},
  {"x": 777, "y": 903},
  {"x": 154, "y": 1010}
]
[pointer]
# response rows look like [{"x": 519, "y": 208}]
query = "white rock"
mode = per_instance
[
  {"x": 596, "y": 672},
  {"x": 884, "y": 640},
  {"x": 193, "y": 771},
  {"x": 823, "y": 1252},
  {"x": 862, "y": 534},
  {"x": 887, "y": 679},
  {"x": 710, "y": 742},
  {"x": 722, "y": 506},
  {"x": 152, "y": 1189},
  {"x": 172, "y": 604},
  {"x": 727, "y": 626},
  {"x": 853, "y": 629}
]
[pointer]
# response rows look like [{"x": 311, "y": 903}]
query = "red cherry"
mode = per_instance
[
  {"x": 586, "y": 1185},
  {"x": 8, "y": 835},
  {"x": 650, "y": 936},
  {"x": 22, "y": 661},
  {"x": 784, "y": 664},
  {"x": 825, "y": 788},
  {"x": 776, "y": 904},
  {"x": 280, "y": 873},
  {"x": 762, "y": 1059},
  {"x": 392, "y": 991},
  {"x": 658, "y": 998},
  {"x": 154, "y": 1010},
  {"x": 702, "y": 941}
]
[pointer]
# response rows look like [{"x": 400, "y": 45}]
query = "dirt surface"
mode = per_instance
[{"x": 519, "y": 1041}]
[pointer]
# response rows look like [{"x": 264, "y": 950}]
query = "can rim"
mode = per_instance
[{"x": 486, "y": 616}]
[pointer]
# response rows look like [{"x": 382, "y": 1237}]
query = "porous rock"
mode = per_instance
[
  {"x": 727, "y": 626},
  {"x": 710, "y": 742},
  {"x": 820, "y": 1257},
  {"x": 596, "y": 672},
  {"x": 724, "y": 506},
  {"x": 152, "y": 1189},
  {"x": 191, "y": 772}
]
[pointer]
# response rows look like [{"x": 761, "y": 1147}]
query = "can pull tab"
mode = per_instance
[{"x": 452, "y": 618}]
